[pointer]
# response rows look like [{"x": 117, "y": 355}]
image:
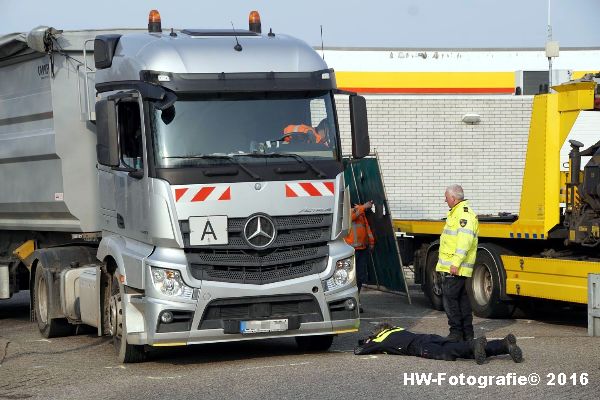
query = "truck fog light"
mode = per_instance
[
  {"x": 170, "y": 283},
  {"x": 350, "y": 304},
  {"x": 166, "y": 317}
]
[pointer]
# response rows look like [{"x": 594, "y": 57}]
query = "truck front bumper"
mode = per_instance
[
  {"x": 329, "y": 313},
  {"x": 151, "y": 309}
]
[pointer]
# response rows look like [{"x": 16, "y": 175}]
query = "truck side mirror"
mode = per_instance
[
  {"x": 107, "y": 148},
  {"x": 361, "y": 146}
]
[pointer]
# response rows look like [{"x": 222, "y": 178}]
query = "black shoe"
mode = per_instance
[
  {"x": 361, "y": 310},
  {"x": 510, "y": 343},
  {"x": 478, "y": 346},
  {"x": 454, "y": 337}
]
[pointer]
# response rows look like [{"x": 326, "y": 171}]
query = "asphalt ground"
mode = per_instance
[{"x": 555, "y": 346}]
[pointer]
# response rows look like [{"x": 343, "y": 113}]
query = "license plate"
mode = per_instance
[
  {"x": 207, "y": 231},
  {"x": 271, "y": 325}
]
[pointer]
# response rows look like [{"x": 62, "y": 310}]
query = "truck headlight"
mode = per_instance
[
  {"x": 343, "y": 275},
  {"x": 170, "y": 283}
]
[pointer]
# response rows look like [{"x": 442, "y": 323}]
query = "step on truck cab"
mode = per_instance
[{"x": 214, "y": 203}]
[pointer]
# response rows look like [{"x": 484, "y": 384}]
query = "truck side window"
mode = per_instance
[{"x": 130, "y": 134}]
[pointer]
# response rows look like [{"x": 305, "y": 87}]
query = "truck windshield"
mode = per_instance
[{"x": 200, "y": 128}]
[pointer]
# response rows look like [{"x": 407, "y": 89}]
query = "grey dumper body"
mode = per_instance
[{"x": 111, "y": 236}]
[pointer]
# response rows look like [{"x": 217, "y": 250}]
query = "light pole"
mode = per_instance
[{"x": 552, "y": 48}]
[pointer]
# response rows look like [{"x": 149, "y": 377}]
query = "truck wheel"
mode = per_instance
[
  {"x": 432, "y": 284},
  {"x": 314, "y": 343},
  {"x": 49, "y": 327},
  {"x": 126, "y": 353},
  {"x": 484, "y": 288}
]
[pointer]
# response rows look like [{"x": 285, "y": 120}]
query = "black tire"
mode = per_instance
[
  {"x": 432, "y": 282},
  {"x": 126, "y": 353},
  {"x": 484, "y": 287},
  {"x": 314, "y": 343},
  {"x": 49, "y": 327}
]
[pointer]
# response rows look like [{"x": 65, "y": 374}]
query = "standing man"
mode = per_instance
[
  {"x": 361, "y": 238},
  {"x": 458, "y": 250}
]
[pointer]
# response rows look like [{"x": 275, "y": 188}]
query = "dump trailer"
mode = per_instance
[
  {"x": 167, "y": 188},
  {"x": 547, "y": 250}
]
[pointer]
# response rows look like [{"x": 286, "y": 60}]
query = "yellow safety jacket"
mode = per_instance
[{"x": 458, "y": 242}]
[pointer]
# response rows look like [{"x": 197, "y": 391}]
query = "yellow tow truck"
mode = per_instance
[{"x": 549, "y": 248}]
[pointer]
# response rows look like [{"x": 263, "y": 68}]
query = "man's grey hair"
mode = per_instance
[{"x": 456, "y": 191}]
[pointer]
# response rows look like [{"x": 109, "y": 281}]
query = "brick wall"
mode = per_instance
[{"x": 424, "y": 147}]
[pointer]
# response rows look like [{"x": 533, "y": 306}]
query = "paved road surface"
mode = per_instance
[{"x": 84, "y": 366}]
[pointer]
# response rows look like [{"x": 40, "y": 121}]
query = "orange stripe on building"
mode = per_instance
[
  {"x": 427, "y": 82},
  {"x": 429, "y": 90}
]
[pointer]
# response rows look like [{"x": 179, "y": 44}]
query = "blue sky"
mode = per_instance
[{"x": 346, "y": 23}]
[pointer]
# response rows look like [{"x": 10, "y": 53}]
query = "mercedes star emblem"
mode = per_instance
[{"x": 259, "y": 231}]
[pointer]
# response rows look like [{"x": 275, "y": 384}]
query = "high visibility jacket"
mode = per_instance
[
  {"x": 312, "y": 136},
  {"x": 390, "y": 341},
  {"x": 360, "y": 235},
  {"x": 458, "y": 242}
]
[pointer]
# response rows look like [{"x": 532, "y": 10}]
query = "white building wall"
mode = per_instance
[
  {"x": 424, "y": 146},
  {"x": 458, "y": 60}
]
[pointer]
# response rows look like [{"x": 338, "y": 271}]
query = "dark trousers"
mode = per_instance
[
  {"x": 439, "y": 348},
  {"x": 362, "y": 263},
  {"x": 457, "y": 306}
]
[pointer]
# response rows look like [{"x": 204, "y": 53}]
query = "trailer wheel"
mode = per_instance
[
  {"x": 484, "y": 288},
  {"x": 432, "y": 284},
  {"x": 126, "y": 353},
  {"x": 49, "y": 327},
  {"x": 314, "y": 343}
]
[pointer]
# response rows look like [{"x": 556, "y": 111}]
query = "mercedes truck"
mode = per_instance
[{"x": 176, "y": 187}]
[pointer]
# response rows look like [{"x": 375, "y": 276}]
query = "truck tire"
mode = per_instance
[
  {"x": 49, "y": 327},
  {"x": 314, "y": 343},
  {"x": 484, "y": 287},
  {"x": 432, "y": 282},
  {"x": 126, "y": 353}
]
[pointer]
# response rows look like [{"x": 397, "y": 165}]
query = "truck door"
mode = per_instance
[
  {"x": 366, "y": 183},
  {"x": 131, "y": 199}
]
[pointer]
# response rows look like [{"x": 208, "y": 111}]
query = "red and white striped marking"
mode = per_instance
[
  {"x": 310, "y": 189},
  {"x": 202, "y": 193}
]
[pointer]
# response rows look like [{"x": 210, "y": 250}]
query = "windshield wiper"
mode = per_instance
[
  {"x": 298, "y": 157},
  {"x": 218, "y": 157}
]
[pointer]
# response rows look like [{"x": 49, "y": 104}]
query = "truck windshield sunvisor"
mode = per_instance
[{"x": 242, "y": 82}]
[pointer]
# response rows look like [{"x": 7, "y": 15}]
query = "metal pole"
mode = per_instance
[
  {"x": 549, "y": 39},
  {"x": 549, "y": 74}
]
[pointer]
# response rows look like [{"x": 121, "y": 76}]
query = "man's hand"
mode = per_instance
[
  {"x": 368, "y": 204},
  {"x": 453, "y": 270}
]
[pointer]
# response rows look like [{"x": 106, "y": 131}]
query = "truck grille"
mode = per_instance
[
  {"x": 226, "y": 313},
  {"x": 300, "y": 249}
]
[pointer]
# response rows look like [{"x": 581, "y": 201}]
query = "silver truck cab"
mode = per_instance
[{"x": 223, "y": 207}]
